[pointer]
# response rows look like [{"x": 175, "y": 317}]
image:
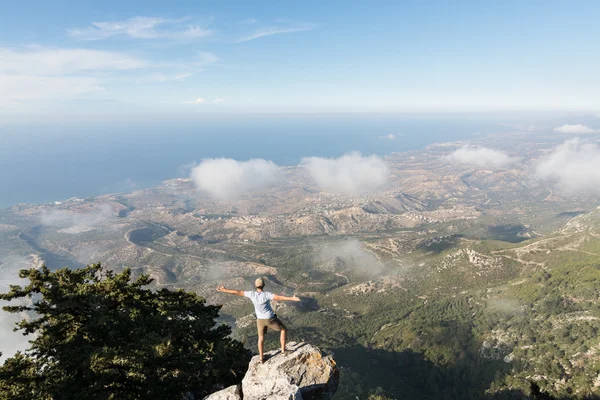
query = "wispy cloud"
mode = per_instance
[
  {"x": 73, "y": 222},
  {"x": 199, "y": 100},
  {"x": 160, "y": 77},
  {"x": 27, "y": 88},
  {"x": 390, "y": 136},
  {"x": 182, "y": 69},
  {"x": 141, "y": 28},
  {"x": 269, "y": 31},
  {"x": 204, "y": 58},
  {"x": 481, "y": 157},
  {"x": 348, "y": 254},
  {"x": 40, "y": 73},
  {"x": 44, "y": 61},
  {"x": 576, "y": 129}
]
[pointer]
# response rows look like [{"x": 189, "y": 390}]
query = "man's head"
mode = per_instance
[{"x": 259, "y": 283}]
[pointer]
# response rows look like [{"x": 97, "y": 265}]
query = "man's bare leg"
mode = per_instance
[
  {"x": 261, "y": 346},
  {"x": 282, "y": 338}
]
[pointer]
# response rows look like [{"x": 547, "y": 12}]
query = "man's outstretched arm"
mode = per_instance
[
  {"x": 285, "y": 298},
  {"x": 230, "y": 291}
]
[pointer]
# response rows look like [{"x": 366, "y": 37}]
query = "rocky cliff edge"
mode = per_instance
[{"x": 303, "y": 373}]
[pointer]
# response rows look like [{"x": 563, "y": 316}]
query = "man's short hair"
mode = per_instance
[{"x": 259, "y": 283}]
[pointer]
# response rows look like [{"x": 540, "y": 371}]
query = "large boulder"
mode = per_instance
[
  {"x": 303, "y": 373},
  {"x": 231, "y": 393}
]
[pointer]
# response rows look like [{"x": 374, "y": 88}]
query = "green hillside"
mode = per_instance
[{"x": 460, "y": 318}]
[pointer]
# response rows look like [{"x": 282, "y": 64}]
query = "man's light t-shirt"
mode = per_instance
[{"x": 262, "y": 304}]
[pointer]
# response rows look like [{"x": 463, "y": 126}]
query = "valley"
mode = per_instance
[{"x": 454, "y": 281}]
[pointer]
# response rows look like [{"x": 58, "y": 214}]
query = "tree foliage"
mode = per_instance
[{"x": 101, "y": 335}]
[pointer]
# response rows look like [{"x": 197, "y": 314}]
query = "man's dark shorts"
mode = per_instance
[{"x": 271, "y": 323}]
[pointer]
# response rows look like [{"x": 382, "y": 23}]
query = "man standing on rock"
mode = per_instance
[{"x": 265, "y": 317}]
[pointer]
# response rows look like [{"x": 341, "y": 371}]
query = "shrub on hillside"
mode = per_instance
[{"x": 101, "y": 335}]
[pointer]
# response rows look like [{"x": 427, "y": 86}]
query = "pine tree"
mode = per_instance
[{"x": 101, "y": 335}]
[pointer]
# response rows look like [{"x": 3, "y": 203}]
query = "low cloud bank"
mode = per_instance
[
  {"x": 481, "y": 157},
  {"x": 575, "y": 129},
  {"x": 9, "y": 275},
  {"x": 505, "y": 306},
  {"x": 226, "y": 178},
  {"x": 349, "y": 254},
  {"x": 573, "y": 167},
  {"x": 350, "y": 173},
  {"x": 73, "y": 222}
]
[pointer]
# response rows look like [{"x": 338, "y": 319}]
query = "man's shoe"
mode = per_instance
[{"x": 264, "y": 359}]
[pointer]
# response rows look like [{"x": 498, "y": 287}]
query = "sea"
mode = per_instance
[{"x": 41, "y": 163}]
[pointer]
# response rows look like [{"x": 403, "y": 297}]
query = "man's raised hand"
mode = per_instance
[{"x": 220, "y": 288}]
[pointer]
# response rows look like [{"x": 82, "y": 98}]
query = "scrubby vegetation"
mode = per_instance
[{"x": 498, "y": 321}]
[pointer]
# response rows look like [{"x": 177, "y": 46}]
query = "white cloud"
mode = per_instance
[
  {"x": 37, "y": 73},
  {"x": 199, "y": 100},
  {"x": 574, "y": 167},
  {"x": 21, "y": 88},
  {"x": 182, "y": 69},
  {"x": 9, "y": 271},
  {"x": 141, "y": 28},
  {"x": 204, "y": 58},
  {"x": 352, "y": 255},
  {"x": 186, "y": 67},
  {"x": 50, "y": 74},
  {"x": 218, "y": 101},
  {"x": 274, "y": 31},
  {"x": 227, "y": 178},
  {"x": 481, "y": 157},
  {"x": 351, "y": 173},
  {"x": 9, "y": 275},
  {"x": 193, "y": 32},
  {"x": 504, "y": 305},
  {"x": 575, "y": 129},
  {"x": 74, "y": 222},
  {"x": 42, "y": 61},
  {"x": 391, "y": 136},
  {"x": 160, "y": 77}
]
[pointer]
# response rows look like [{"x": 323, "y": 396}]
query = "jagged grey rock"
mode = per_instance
[
  {"x": 305, "y": 372},
  {"x": 231, "y": 393}
]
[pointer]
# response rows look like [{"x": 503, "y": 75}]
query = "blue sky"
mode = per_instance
[{"x": 77, "y": 59}]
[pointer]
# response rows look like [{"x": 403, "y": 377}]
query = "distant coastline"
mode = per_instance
[{"x": 102, "y": 164}]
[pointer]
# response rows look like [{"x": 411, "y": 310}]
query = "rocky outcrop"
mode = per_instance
[
  {"x": 304, "y": 372},
  {"x": 231, "y": 393}
]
